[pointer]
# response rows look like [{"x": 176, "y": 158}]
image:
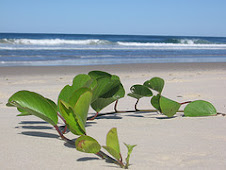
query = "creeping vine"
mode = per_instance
[{"x": 99, "y": 89}]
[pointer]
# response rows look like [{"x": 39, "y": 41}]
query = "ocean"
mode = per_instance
[{"x": 20, "y": 49}]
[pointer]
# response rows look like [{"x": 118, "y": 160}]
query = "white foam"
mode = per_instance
[
  {"x": 52, "y": 42},
  {"x": 98, "y": 44},
  {"x": 188, "y": 41},
  {"x": 188, "y": 45}
]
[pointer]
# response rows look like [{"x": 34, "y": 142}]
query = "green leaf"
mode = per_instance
[
  {"x": 81, "y": 80},
  {"x": 72, "y": 120},
  {"x": 139, "y": 91},
  {"x": 155, "y": 102},
  {"x": 80, "y": 101},
  {"x": 156, "y": 83},
  {"x": 32, "y": 103},
  {"x": 130, "y": 149},
  {"x": 103, "y": 101},
  {"x": 75, "y": 112},
  {"x": 104, "y": 87},
  {"x": 112, "y": 144},
  {"x": 169, "y": 107},
  {"x": 108, "y": 90},
  {"x": 87, "y": 144},
  {"x": 199, "y": 108},
  {"x": 98, "y": 74},
  {"x": 52, "y": 103},
  {"x": 24, "y": 113},
  {"x": 113, "y": 152}
]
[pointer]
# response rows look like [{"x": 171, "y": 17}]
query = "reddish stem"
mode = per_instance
[
  {"x": 61, "y": 118},
  {"x": 61, "y": 134},
  {"x": 185, "y": 102},
  {"x": 100, "y": 153},
  {"x": 94, "y": 116},
  {"x": 106, "y": 157},
  {"x": 136, "y": 105},
  {"x": 65, "y": 128},
  {"x": 115, "y": 107}
]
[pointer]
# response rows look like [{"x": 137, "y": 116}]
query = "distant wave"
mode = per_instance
[
  {"x": 98, "y": 44},
  {"x": 170, "y": 42},
  {"x": 187, "y": 41},
  {"x": 53, "y": 42}
]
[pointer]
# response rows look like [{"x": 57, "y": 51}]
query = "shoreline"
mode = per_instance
[
  {"x": 177, "y": 143},
  {"x": 123, "y": 67}
]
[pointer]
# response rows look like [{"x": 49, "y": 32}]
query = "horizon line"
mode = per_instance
[{"x": 112, "y": 34}]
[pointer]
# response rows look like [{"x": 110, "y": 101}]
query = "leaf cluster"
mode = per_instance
[
  {"x": 90, "y": 145},
  {"x": 98, "y": 89},
  {"x": 167, "y": 106}
]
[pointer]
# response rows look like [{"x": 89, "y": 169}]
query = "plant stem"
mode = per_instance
[
  {"x": 65, "y": 128},
  {"x": 121, "y": 163},
  {"x": 100, "y": 153},
  {"x": 108, "y": 158},
  {"x": 61, "y": 134},
  {"x": 122, "y": 111},
  {"x": 93, "y": 117},
  {"x": 136, "y": 105},
  {"x": 185, "y": 102},
  {"x": 130, "y": 111},
  {"x": 61, "y": 118},
  {"x": 115, "y": 107}
]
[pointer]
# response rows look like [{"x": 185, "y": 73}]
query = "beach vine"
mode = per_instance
[{"x": 99, "y": 89}]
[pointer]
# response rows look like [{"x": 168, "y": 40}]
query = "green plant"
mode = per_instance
[
  {"x": 31, "y": 103},
  {"x": 108, "y": 90},
  {"x": 99, "y": 89},
  {"x": 138, "y": 91},
  {"x": 167, "y": 106},
  {"x": 74, "y": 112},
  {"x": 89, "y": 145},
  {"x": 73, "y": 105}
]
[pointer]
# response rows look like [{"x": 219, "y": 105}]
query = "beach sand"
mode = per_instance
[{"x": 175, "y": 143}]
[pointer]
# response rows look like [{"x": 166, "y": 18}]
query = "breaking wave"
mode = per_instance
[
  {"x": 54, "y": 42},
  {"x": 100, "y": 44}
]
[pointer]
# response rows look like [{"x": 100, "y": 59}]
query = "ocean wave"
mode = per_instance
[
  {"x": 187, "y": 41},
  {"x": 100, "y": 44},
  {"x": 172, "y": 42},
  {"x": 125, "y": 46},
  {"x": 54, "y": 42},
  {"x": 173, "y": 46}
]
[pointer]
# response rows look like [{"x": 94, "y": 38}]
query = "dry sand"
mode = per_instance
[{"x": 176, "y": 143}]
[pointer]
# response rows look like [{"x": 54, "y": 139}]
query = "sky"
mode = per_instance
[{"x": 131, "y": 17}]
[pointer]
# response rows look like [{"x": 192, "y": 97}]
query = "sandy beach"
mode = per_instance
[{"x": 176, "y": 143}]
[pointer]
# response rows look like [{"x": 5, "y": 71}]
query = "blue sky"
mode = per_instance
[{"x": 145, "y": 17}]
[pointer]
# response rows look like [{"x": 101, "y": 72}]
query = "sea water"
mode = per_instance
[{"x": 17, "y": 49}]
